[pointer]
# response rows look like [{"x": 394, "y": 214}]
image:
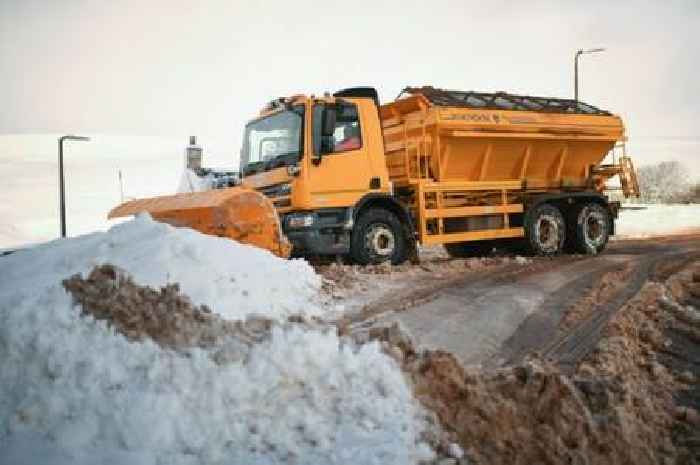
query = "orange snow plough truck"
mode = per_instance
[{"x": 344, "y": 175}]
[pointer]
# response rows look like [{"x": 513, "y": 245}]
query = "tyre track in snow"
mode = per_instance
[
  {"x": 419, "y": 293},
  {"x": 569, "y": 346},
  {"x": 499, "y": 318}
]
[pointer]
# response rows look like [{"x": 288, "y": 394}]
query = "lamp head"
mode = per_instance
[{"x": 72, "y": 137}]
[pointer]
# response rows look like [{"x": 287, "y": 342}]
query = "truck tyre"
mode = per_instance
[
  {"x": 545, "y": 230},
  {"x": 469, "y": 249},
  {"x": 378, "y": 236},
  {"x": 589, "y": 228}
]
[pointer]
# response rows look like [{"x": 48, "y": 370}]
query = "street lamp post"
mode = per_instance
[
  {"x": 578, "y": 54},
  {"x": 61, "y": 182}
]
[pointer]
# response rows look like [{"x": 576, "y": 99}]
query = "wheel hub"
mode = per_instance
[
  {"x": 595, "y": 229},
  {"x": 380, "y": 240},
  {"x": 548, "y": 233}
]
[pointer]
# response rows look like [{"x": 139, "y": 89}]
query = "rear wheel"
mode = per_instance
[
  {"x": 378, "y": 237},
  {"x": 545, "y": 230},
  {"x": 589, "y": 228}
]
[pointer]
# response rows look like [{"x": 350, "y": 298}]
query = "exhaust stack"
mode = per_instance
[{"x": 193, "y": 155}]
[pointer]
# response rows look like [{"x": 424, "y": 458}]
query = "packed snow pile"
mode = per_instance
[
  {"x": 234, "y": 279},
  {"x": 657, "y": 220},
  {"x": 165, "y": 316},
  {"x": 74, "y": 389},
  {"x": 300, "y": 397}
]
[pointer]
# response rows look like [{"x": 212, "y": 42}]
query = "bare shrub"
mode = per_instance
[{"x": 663, "y": 182}]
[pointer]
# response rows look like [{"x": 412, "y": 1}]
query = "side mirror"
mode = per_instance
[
  {"x": 326, "y": 143},
  {"x": 329, "y": 118}
]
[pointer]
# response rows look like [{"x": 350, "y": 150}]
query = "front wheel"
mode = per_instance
[
  {"x": 378, "y": 237},
  {"x": 545, "y": 230}
]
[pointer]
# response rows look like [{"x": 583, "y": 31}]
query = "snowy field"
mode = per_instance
[
  {"x": 73, "y": 391},
  {"x": 29, "y": 175},
  {"x": 658, "y": 220}
]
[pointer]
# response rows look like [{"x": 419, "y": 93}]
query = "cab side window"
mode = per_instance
[{"x": 345, "y": 130}]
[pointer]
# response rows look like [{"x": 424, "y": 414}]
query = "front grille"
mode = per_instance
[{"x": 277, "y": 190}]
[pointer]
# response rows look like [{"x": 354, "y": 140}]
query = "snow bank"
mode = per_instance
[
  {"x": 300, "y": 396},
  {"x": 73, "y": 391},
  {"x": 657, "y": 220},
  {"x": 231, "y": 278}
]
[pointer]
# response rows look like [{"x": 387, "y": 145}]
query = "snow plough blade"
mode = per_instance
[{"x": 238, "y": 213}]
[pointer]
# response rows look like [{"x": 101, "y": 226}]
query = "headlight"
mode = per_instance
[
  {"x": 284, "y": 189},
  {"x": 300, "y": 220}
]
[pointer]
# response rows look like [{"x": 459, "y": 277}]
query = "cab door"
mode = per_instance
[{"x": 339, "y": 171}]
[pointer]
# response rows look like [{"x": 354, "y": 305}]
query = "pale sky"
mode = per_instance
[{"x": 170, "y": 68}]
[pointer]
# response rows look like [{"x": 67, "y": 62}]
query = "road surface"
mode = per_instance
[{"x": 557, "y": 309}]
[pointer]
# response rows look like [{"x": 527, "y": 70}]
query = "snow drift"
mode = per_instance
[
  {"x": 232, "y": 278},
  {"x": 72, "y": 390}
]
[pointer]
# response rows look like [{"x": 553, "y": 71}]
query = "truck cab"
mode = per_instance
[{"x": 320, "y": 160}]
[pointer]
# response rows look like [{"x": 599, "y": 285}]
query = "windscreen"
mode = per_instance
[{"x": 273, "y": 141}]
